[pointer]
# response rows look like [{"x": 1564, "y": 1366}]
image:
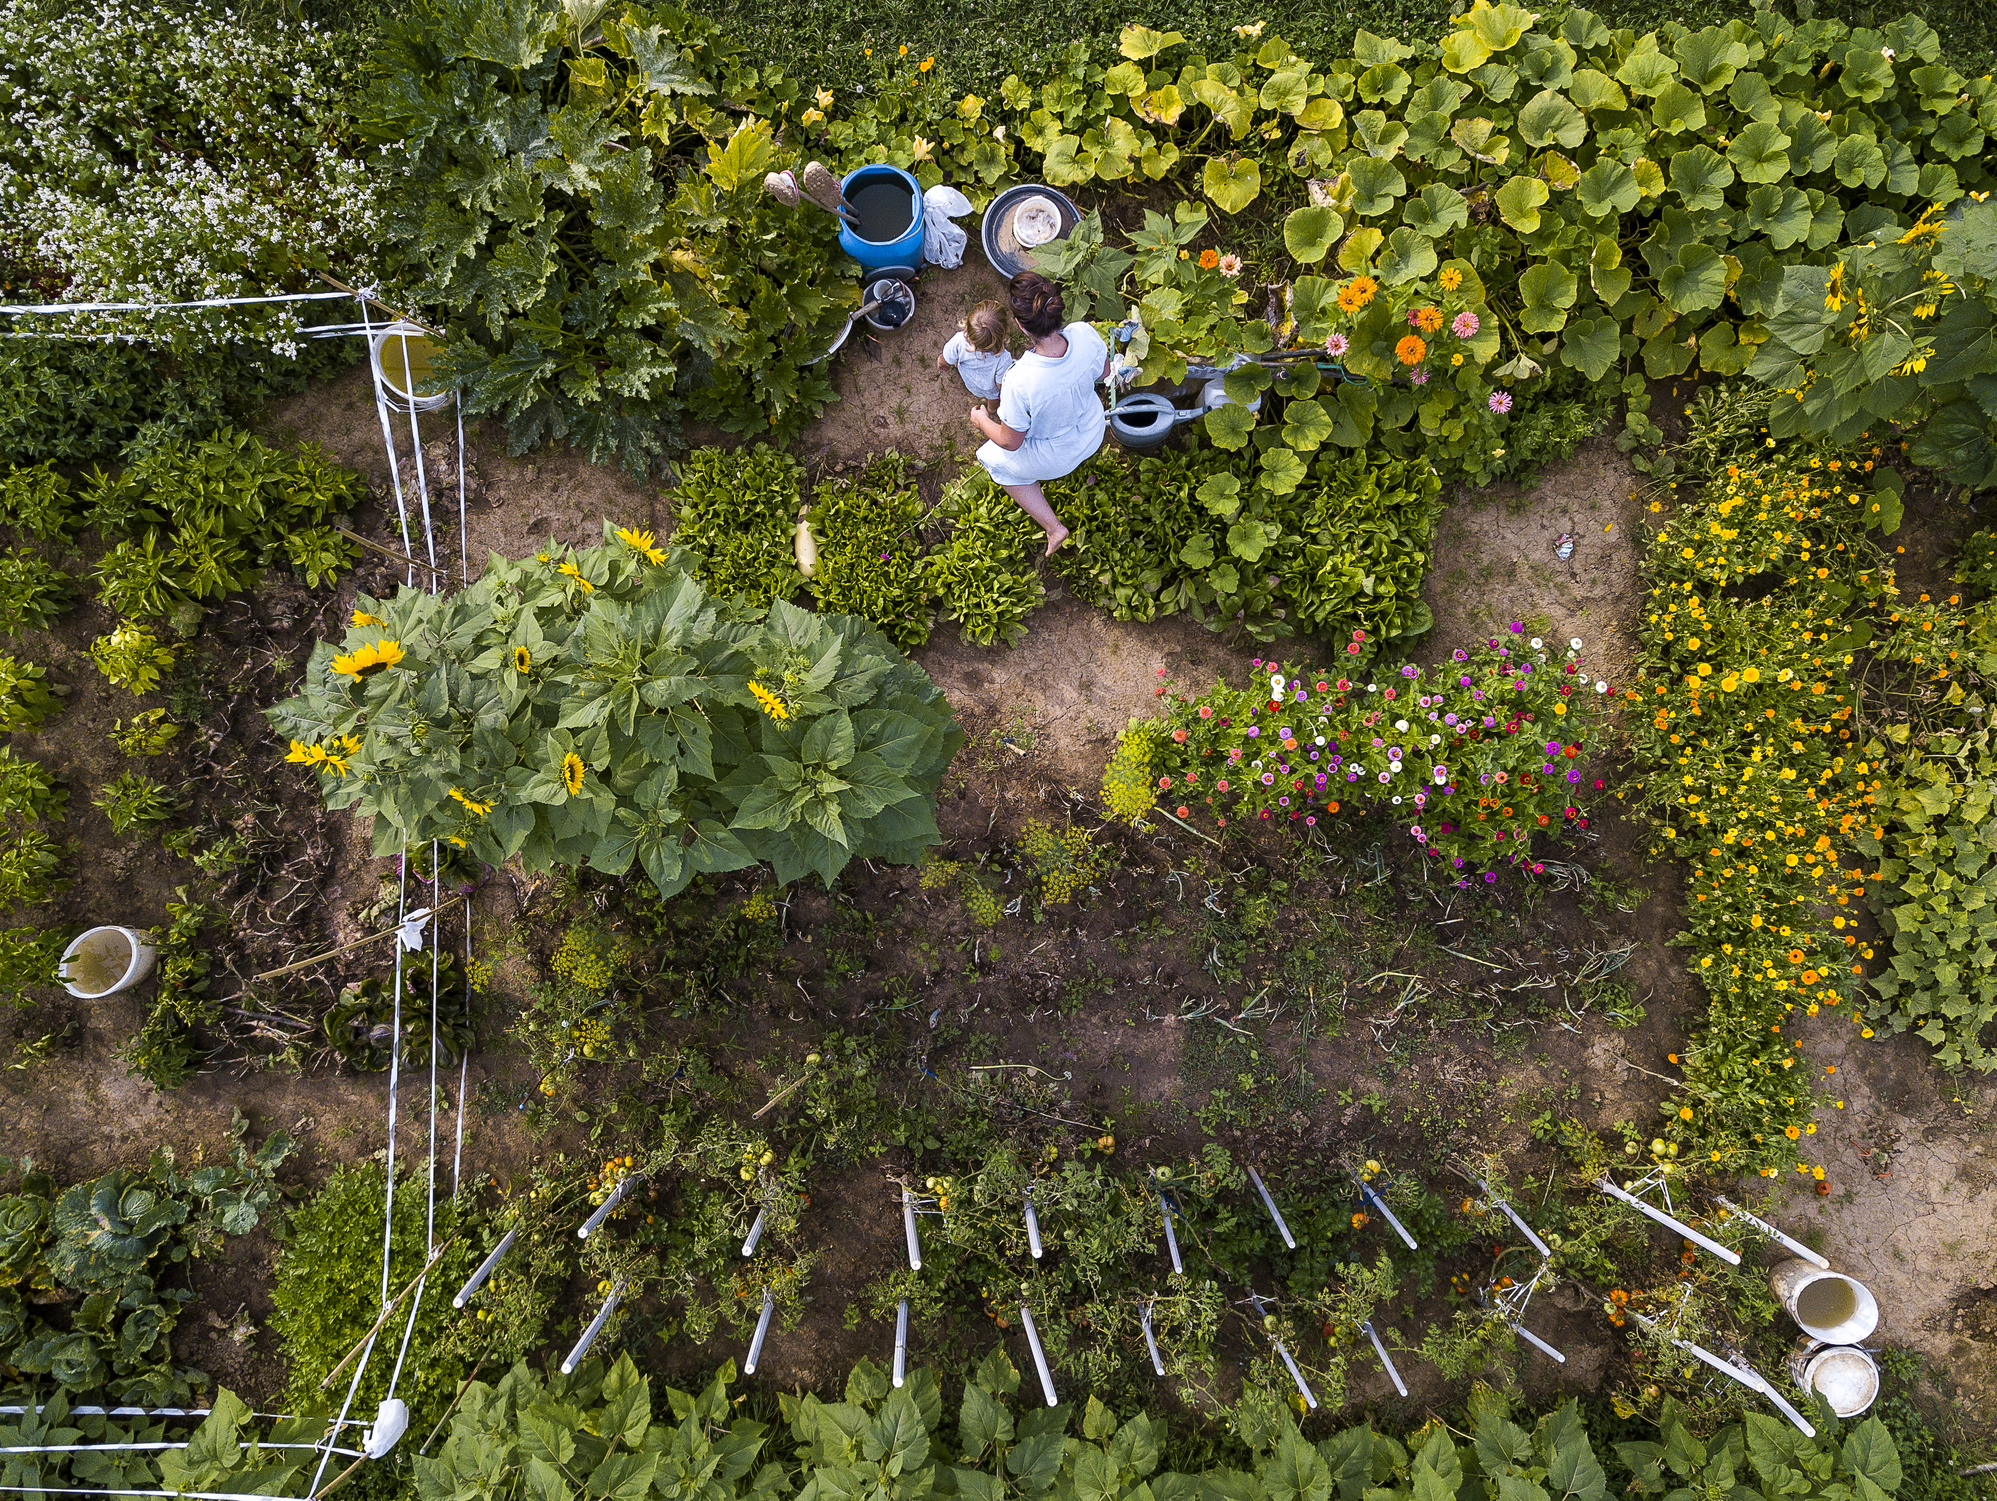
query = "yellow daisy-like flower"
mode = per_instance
[
  {"x": 1450, "y": 278},
  {"x": 573, "y": 772},
  {"x": 570, "y": 571},
  {"x": 369, "y": 659},
  {"x": 1455, "y": 360},
  {"x": 471, "y": 804},
  {"x": 522, "y": 659},
  {"x": 771, "y": 705},
  {"x": 453, "y": 839},
  {"x": 642, "y": 543},
  {"x": 361, "y": 617},
  {"x": 927, "y": 64},
  {"x": 302, "y": 754}
]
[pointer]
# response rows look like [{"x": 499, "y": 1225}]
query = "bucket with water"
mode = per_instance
[
  {"x": 1827, "y": 1305},
  {"x": 104, "y": 961}
]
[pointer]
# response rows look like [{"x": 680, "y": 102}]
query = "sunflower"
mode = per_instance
[
  {"x": 471, "y": 804},
  {"x": 642, "y": 543},
  {"x": 1410, "y": 351},
  {"x": 522, "y": 659},
  {"x": 361, "y": 618},
  {"x": 569, "y": 570},
  {"x": 369, "y": 659},
  {"x": 573, "y": 772},
  {"x": 771, "y": 705}
]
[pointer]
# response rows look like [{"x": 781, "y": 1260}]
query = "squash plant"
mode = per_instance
[
  {"x": 586, "y": 208},
  {"x": 597, "y": 707}
]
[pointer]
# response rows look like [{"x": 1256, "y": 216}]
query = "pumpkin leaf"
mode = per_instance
[
  {"x": 1437, "y": 210},
  {"x": 1701, "y": 177},
  {"x": 1140, "y": 42},
  {"x": 1233, "y": 183},
  {"x": 1549, "y": 117},
  {"x": 1591, "y": 345},
  {"x": 1357, "y": 251},
  {"x": 1760, "y": 153},
  {"x": 1309, "y": 232},
  {"x": 1549, "y": 290},
  {"x": 1696, "y": 280},
  {"x": 1519, "y": 202},
  {"x": 1376, "y": 185},
  {"x": 1607, "y": 188},
  {"x": 1409, "y": 255}
]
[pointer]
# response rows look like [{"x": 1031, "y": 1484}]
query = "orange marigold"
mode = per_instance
[{"x": 1410, "y": 351}]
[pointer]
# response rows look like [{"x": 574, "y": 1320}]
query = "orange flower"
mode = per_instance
[
  {"x": 1428, "y": 319},
  {"x": 1410, "y": 351},
  {"x": 1356, "y": 293},
  {"x": 1209, "y": 259}
]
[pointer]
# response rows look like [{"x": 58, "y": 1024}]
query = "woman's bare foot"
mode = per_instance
[{"x": 1055, "y": 537}]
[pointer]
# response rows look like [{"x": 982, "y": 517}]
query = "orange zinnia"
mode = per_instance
[
  {"x": 1209, "y": 259},
  {"x": 1428, "y": 319},
  {"x": 1410, "y": 351}
]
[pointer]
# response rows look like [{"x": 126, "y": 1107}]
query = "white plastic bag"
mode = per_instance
[{"x": 943, "y": 242}]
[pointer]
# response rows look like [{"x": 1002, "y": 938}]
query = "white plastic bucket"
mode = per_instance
[
  {"x": 1844, "y": 1375},
  {"x": 404, "y": 362},
  {"x": 105, "y": 961},
  {"x": 1826, "y": 1305}
]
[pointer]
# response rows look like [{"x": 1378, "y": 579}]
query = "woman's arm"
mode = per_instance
[{"x": 1006, "y": 437}]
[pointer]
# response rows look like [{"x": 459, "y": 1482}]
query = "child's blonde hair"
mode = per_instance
[{"x": 984, "y": 328}]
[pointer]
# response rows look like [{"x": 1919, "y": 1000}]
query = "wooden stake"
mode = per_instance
[{"x": 389, "y": 552}]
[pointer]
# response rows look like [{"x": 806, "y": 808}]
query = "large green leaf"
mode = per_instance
[
  {"x": 1306, "y": 424},
  {"x": 1140, "y": 42},
  {"x": 1646, "y": 70},
  {"x": 1607, "y": 188},
  {"x": 1282, "y": 472},
  {"x": 1232, "y": 184},
  {"x": 1408, "y": 256},
  {"x": 1593, "y": 89},
  {"x": 1708, "y": 59},
  {"x": 1781, "y": 215},
  {"x": 1760, "y": 153},
  {"x": 1549, "y": 289},
  {"x": 1384, "y": 83},
  {"x": 1701, "y": 176},
  {"x": 1859, "y": 162},
  {"x": 1696, "y": 280},
  {"x": 1286, "y": 92},
  {"x": 1482, "y": 139},
  {"x": 1376, "y": 185},
  {"x": 1519, "y": 202},
  {"x": 1498, "y": 27},
  {"x": 1378, "y": 135},
  {"x": 1357, "y": 251},
  {"x": 1678, "y": 109},
  {"x": 1437, "y": 210},
  {"x": 1867, "y": 74},
  {"x": 1549, "y": 117},
  {"x": 1591, "y": 345},
  {"x": 1309, "y": 232},
  {"x": 1229, "y": 425}
]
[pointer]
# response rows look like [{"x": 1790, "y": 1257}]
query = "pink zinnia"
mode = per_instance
[
  {"x": 1464, "y": 325},
  {"x": 1336, "y": 345},
  {"x": 1419, "y": 377},
  {"x": 1501, "y": 401},
  {"x": 1414, "y": 317}
]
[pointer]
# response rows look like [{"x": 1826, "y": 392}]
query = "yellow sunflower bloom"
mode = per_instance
[
  {"x": 361, "y": 617},
  {"x": 471, "y": 804},
  {"x": 570, "y": 571},
  {"x": 573, "y": 772},
  {"x": 771, "y": 705},
  {"x": 642, "y": 543},
  {"x": 522, "y": 659},
  {"x": 369, "y": 659}
]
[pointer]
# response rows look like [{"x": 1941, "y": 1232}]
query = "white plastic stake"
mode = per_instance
[
  {"x": 1032, "y": 1227},
  {"x": 1729, "y": 1257},
  {"x": 1171, "y": 1236},
  {"x": 908, "y": 1226},
  {"x": 1381, "y": 1351},
  {"x": 1039, "y": 1355},
  {"x": 1538, "y": 1344},
  {"x": 901, "y": 1343},
  {"x": 1512, "y": 1215},
  {"x": 1762, "y": 1225},
  {"x": 1151, "y": 1340},
  {"x": 1373, "y": 1199},
  {"x": 1749, "y": 1378},
  {"x": 595, "y": 1328},
  {"x": 755, "y": 1232},
  {"x": 477, "y": 1279},
  {"x": 1275, "y": 1214},
  {"x": 603, "y": 1210},
  {"x": 1303, "y": 1389},
  {"x": 762, "y": 1328}
]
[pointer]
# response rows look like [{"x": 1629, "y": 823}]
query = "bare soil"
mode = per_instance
[{"x": 1371, "y": 1014}]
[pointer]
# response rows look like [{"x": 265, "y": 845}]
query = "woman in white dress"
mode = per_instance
[{"x": 1050, "y": 420}]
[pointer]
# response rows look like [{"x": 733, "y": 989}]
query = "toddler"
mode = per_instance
[{"x": 978, "y": 351}]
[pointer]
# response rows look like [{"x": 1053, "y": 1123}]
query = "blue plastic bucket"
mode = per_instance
[{"x": 867, "y": 188}]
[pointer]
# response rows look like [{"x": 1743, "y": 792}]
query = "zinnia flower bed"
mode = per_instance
[{"x": 1473, "y": 760}]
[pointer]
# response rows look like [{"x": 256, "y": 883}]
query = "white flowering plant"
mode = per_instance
[{"x": 169, "y": 152}]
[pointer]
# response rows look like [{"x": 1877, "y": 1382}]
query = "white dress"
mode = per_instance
[
  {"x": 982, "y": 373},
  {"x": 1054, "y": 402}
]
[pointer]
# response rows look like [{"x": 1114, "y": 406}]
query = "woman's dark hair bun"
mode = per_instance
[{"x": 1036, "y": 303}]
